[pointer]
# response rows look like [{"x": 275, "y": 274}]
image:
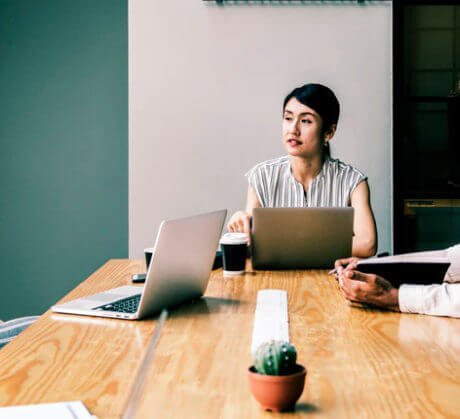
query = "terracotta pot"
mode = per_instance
[{"x": 277, "y": 392}]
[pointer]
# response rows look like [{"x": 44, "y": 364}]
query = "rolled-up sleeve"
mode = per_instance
[{"x": 437, "y": 300}]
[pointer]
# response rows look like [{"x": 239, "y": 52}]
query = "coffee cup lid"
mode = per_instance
[{"x": 234, "y": 238}]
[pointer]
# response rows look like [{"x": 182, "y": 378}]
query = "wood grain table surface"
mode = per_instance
[{"x": 361, "y": 362}]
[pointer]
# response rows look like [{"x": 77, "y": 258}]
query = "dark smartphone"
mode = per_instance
[{"x": 136, "y": 278}]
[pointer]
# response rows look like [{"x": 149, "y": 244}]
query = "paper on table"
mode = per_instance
[
  {"x": 63, "y": 410},
  {"x": 396, "y": 259},
  {"x": 427, "y": 257}
]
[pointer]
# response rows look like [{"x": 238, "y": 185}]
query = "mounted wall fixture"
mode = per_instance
[{"x": 295, "y": 1}]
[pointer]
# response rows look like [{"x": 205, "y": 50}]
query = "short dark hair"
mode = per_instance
[{"x": 322, "y": 100}]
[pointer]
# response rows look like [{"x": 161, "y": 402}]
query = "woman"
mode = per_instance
[{"x": 308, "y": 176}]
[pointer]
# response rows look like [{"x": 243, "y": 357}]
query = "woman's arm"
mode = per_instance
[
  {"x": 365, "y": 238},
  {"x": 241, "y": 220}
]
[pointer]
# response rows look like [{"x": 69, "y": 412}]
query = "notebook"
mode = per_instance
[{"x": 407, "y": 269}]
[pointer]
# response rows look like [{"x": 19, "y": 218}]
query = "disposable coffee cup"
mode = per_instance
[
  {"x": 234, "y": 247},
  {"x": 148, "y": 253}
]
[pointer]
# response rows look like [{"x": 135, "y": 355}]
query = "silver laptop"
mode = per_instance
[
  {"x": 300, "y": 238},
  {"x": 179, "y": 271}
]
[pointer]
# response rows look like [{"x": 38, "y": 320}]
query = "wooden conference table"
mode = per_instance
[{"x": 361, "y": 362}]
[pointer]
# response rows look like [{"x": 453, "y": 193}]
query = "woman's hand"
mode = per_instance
[
  {"x": 241, "y": 220},
  {"x": 240, "y": 223}
]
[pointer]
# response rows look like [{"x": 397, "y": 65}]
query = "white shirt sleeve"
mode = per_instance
[
  {"x": 453, "y": 273},
  {"x": 437, "y": 299}
]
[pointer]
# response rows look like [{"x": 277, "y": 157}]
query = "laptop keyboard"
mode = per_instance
[{"x": 127, "y": 305}]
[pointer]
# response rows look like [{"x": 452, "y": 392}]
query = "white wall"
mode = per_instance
[{"x": 206, "y": 87}]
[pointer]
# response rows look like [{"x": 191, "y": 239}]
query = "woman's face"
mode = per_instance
[{"x": 302, "y": 128}]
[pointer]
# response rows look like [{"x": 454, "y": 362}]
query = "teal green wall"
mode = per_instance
[{"x": 63, "y": 146}]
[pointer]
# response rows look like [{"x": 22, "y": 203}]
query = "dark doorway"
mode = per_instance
[{"x": 426, "y": 138}]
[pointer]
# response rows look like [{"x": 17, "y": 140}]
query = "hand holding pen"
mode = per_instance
[{"x": 346, "y": 263}]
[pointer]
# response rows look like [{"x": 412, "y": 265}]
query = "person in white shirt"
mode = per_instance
[{"x": 437, "y": 299}]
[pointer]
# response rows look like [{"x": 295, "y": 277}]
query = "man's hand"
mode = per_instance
[
  {"x": 240, "y": 223},
  {"x": 368, "y": 288}
]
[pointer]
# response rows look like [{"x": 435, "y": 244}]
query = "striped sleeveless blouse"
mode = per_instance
[{"x": 275, "y": 185}]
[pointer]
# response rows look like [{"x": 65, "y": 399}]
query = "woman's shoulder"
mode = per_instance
[
  {"x": 270, "y": 165},
  {"x": 340, "y": 168}
]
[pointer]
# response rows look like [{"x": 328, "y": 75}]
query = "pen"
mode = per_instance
[{"x": 334, "y": 271}]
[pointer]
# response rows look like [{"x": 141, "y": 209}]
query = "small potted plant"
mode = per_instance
[{"x": 275, "y": 379}]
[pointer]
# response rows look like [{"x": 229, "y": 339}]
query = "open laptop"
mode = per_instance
[
  {"x": 179, "y": 271},
  {"x": 300, "y": 238}
]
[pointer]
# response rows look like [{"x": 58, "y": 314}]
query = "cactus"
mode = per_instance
[{"x": 275, "y": 358}]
